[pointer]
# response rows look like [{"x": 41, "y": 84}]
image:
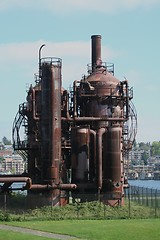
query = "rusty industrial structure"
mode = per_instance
[{"x": 75, "y": 141}]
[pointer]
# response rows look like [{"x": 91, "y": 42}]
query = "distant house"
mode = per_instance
[{"x": 11, "y": 162}]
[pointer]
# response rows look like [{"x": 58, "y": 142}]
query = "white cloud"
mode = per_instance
[
  {"x": 69, "y": 6},
  {"x": 25, "y": 52},
  {"x": 24, "y": 57}
]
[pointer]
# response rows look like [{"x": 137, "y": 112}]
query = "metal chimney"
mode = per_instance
[{"x": 96, "y": 49}]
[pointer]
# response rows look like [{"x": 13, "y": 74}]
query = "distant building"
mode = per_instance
[
  {"x": 154, "y": 160},
  {"x": 157, "y": 171},
  {"x": 157, "y": 167},
  {"x": 11, "y": 162},
  {"x": 136, "y": 154}
]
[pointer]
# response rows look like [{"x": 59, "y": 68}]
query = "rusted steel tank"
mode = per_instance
[
  {"x": 80, "y": 154},
  {"x": 112, "y": 160},
  {"x": 101, "y": 100},
  {"x": 51, "y": 118},
  {"x": 102, "y": 84},
  {"x": 77, "y": 139}
]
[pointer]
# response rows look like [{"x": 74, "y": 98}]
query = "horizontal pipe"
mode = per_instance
[
  {"x": 40, "y": 187},
  {"x": 14, "y": 179},
  {"x": 79, "y": 119},
  {"x": 65, "y": 186},
  {"x": 52, "y": 187},
  {"x": 31, "y": 186},
  {"x": 10, "y": 180}
]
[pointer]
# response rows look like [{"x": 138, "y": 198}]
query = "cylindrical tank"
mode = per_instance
[
  {"x": 56, "y": 119},
  {"x": 106, "y": 89},
  {"x": 112, "y": 159},
  {"x": 45, "y": 119},
  {"x": 51, "y": 119},
  {"x": 80, "y": 154}
]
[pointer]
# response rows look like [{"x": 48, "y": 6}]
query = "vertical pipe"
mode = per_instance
[
  {"x": 127, "y": 99},
  {"x": 100, "y": 133},
  {"x": 67, "y": 115},
  {"x": 96, "y": 49},
  {"x": 92, "y": 132},
  {"x": 39, "y": 56},
  {"x": 75, "y": 98},
  {"x": 34, "y": 104}
]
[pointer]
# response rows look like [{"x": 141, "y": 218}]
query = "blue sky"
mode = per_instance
[{"x": 130, "y": 39}]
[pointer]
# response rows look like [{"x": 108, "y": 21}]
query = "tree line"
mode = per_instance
[{"x": 152, "y": 148}]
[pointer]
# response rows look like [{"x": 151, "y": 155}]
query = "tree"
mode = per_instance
[
  {"x": 1, "y": 159},
  {"x": 6, "y": 141},
  {"x": 145, "y": 157},
  {"x": 144, "y": 146},
  {"x": 155, "y": 148}
]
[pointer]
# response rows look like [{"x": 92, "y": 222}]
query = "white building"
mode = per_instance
[{"x": 13, "y": 163}]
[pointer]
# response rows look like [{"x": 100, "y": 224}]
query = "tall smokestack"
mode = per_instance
[{"x": 96, "y": 49}]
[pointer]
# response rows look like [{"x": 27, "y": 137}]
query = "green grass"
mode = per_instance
[
  {"x": 133, "y": 229},
  {"x": 90, "y": 220},
  {"x": 10, "y": 235}
]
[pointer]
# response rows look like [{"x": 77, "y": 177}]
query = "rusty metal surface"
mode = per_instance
[
  {"x": 80, "y": 139},
  {"x": 51, "y": 121},
  {"x": 113, "y": 168},
  {"x": 7, "y": 182},
  {"x": 53, "y": 186},
  {"x": 75, "y": 139},
  {"x": 14, "y": 179},
  {"x": 96, "y": 49},
  {"x": 56, "y": 119}
]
